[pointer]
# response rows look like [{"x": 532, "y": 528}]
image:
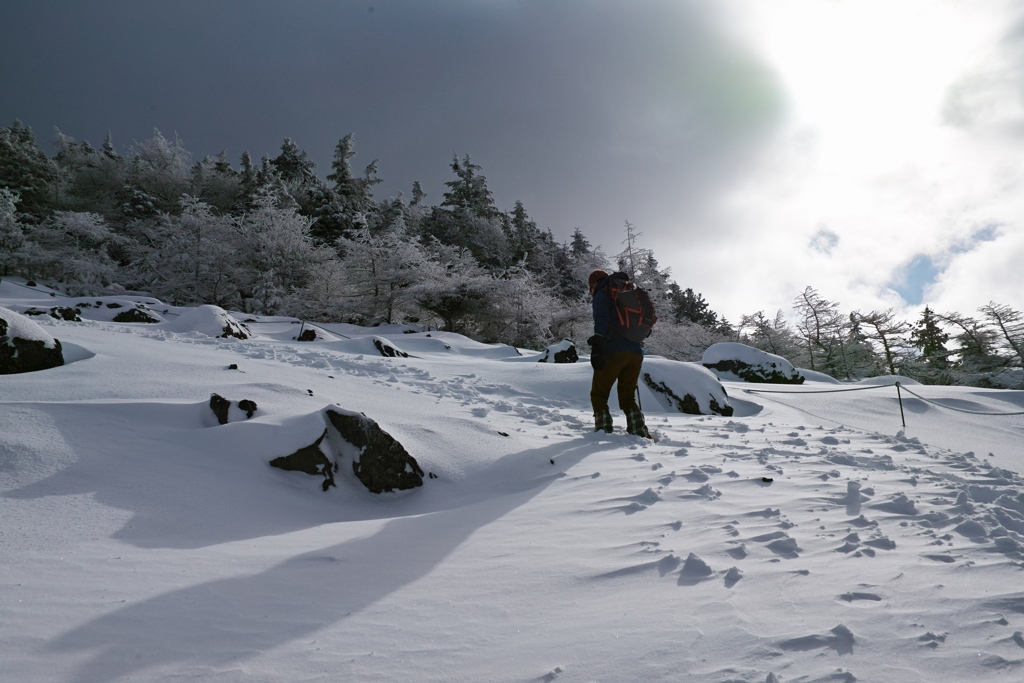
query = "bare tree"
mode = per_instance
[
  {"x": 1010, "y": 326},
  {"x": 891, "y": 334},
  {"x": 821, "y": 329}
]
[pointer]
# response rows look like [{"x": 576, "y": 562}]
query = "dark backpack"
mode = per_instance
[{"x": 634, "y": 311}]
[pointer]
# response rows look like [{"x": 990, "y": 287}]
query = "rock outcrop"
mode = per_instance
[
  {"x": 562, "y": 352},
  {"x": 309, "y": 459},
  {"x": 379, "y": 461}
]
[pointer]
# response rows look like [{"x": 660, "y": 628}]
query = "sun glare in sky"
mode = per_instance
[{"x": 868, "y": 77}]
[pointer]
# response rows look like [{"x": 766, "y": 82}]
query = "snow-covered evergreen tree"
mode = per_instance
[
  {"x": 159, "y": 172},
  {"x": 380, "y": 270},
  {"x": 187, "y": 258},
  {"x": 90, "y": 180},
  {"x": 12, "y": 236},
  {"x": 275, "y": 253},
  {"x": 216, "y": 183},
  {"x": 71, "y": 249},
  {"x": 24, "y": 169},
  {"x": 931, "y": 364}
]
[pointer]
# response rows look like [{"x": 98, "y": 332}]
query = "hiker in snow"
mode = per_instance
[{"x": 613, "y": 357}]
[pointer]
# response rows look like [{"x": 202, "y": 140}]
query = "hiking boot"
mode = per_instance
[
  {"x": 603, "y": 421},
  {"x": 635, "y": 423}
]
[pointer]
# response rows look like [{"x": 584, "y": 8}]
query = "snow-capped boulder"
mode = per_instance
[
  {"x": 25, "y": 346},
  {"x": 562, "y": 352},
  {"x": 135, "y": 314},
  {"x": 378, "y": 460},
  {"x": 739, "y": 362},
  {"x": 66, "y": 313},
  {"x": 686, "y": 387},
  {"x": 210, "y": 320},
  {"x": 387, "y": 349}
]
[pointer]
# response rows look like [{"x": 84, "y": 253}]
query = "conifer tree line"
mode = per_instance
[
  {"x": 937, "y": 348},
  {"x": 274, "y": 238}
]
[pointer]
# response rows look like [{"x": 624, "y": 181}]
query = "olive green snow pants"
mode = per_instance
[{"x": 622, "y": 367}]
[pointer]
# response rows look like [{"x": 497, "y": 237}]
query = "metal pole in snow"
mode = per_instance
[{"x": 899, "y": 396}]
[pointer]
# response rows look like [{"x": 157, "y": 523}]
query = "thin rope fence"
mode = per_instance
[
  {"x": 818, "y": 391},
  {"x": 959, "y": 410},
  {"x": 899, "y": 397}
]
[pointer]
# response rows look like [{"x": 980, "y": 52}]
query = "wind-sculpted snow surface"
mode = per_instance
[{"x": 812, "y": 539}]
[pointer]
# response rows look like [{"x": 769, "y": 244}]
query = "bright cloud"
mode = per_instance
[{"x": 903, "y": 141}]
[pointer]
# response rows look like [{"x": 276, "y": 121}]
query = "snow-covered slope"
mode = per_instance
[{"x": 807, "y": 538}]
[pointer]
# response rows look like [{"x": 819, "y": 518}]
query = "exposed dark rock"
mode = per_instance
[
  {"x": 687, "y": 404},
  {"x": 563, "y": 352},
  {"x": 757, "y": 373},
  {"x": 73, "y": 315},
  {"x": 307, "y": 335},
  {"x": 233, "y": 366},
  {"x": 113, "y": 305},
  {"x": 388, "y": 349},
  {"x": 220, "y": 406},
  {"x": 382, "y": 464},
  {"x": 247, "y": 406},
  {"x": 34, "y": 312},
  {"x": 134, "y": 315},
  {"x": 236, "y": 330},
  {"x": 30, "y": 283},
  {"x": 26, "y": 355},
  {"x": 309, "y": 459}
]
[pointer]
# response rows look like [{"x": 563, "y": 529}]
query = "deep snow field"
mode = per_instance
[{"x": 140, "y": 540}]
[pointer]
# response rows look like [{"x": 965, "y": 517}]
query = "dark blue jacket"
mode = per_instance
[{"x": 606, "y": 320}]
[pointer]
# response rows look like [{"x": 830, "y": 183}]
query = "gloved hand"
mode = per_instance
[{"x": 596, "y": 351}]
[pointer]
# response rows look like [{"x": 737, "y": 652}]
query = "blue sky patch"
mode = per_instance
[{"x": 911, "y": 281}]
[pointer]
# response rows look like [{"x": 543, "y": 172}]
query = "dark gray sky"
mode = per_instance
[
  {"x": 591, "y": 113},
  {"x": 732, "y": 133}
]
